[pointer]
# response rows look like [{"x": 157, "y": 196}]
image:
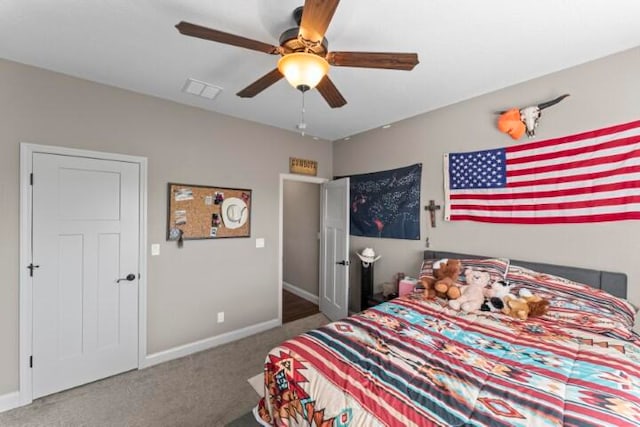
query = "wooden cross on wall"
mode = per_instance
[{"x": 432, "y": 208}]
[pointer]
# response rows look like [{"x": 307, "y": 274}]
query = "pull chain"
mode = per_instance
[{"x": 302, "y": 126}]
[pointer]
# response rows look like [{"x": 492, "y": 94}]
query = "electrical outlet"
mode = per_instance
[{"x": 221, "y": 317}]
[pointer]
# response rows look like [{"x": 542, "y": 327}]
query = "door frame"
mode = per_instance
[
  {"x": 288, "y": 177},
  {"x": 26, "y": 291}
]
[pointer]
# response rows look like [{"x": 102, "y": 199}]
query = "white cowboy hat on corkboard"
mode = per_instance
[{"x": 234, "y": 212}]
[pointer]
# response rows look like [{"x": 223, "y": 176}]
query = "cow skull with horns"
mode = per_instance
[{"x": 516, "y": 122}]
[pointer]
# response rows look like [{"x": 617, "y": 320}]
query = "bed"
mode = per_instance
[{"x": 411, "y": 361}]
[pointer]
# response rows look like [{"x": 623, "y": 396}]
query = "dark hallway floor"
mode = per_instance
[{"x": 294, "y": 307}]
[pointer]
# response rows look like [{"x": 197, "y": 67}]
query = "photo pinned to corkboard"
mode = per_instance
[{"x": 205, "y": 212}]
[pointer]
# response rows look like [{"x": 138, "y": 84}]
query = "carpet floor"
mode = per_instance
[
  {"x": 209, "y": 388},
  {"x": 246, "y": 420}
]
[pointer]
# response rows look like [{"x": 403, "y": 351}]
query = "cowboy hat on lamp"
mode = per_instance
[{"x": 368, "y": 256}]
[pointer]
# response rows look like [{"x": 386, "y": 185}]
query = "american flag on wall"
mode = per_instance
[{"x": 589, "y": 177}]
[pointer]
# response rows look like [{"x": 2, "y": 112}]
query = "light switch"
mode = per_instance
[
  {"x": 260, "y": 243},
  {"x": 155, "y": 249}
]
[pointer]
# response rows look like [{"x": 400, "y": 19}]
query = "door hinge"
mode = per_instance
[
  {"x": 31, "y": 179},
  {"x": 31, "y": 361}
]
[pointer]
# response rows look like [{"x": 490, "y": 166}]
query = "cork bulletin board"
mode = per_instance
[{"x": 204, "y": 212}]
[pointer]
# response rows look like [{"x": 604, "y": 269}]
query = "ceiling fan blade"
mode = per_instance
[
  {"x": 391, "y": 61},
  {"x": 316, "y": 16},
  {"x": 198, "y": 31},
  {"x": 330, "y": 93},
  {"x": 261, "y": 84}
]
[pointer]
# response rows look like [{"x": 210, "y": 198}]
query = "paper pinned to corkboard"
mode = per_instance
[{"x": 205, "y": 212}]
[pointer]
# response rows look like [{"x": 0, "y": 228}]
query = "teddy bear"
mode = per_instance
[
  {"x": 472, "y": 295},
  {"x": 494, "y": 295},
  {"x": 443, "y": 283}
]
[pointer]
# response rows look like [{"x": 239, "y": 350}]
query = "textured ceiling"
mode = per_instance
[{"x": 466, "y": 48}]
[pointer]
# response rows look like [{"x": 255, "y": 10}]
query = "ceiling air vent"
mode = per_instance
[{"x": 203, "y": 89}]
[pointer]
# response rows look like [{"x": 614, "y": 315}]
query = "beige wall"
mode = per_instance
[
  {"x": 186, "y": 287},
  {"x": 604, "y": 92},
  {"x": 301, "y": 226}
]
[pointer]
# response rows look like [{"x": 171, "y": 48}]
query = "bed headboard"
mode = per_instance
[{"x": 613, "y": 283}]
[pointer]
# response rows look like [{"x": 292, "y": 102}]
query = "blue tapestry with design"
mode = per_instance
[{"x": 387, "y": 203}]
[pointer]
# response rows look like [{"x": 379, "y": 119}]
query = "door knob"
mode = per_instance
[
  {"x": 130, "y": 277},
  {"x": 343, "y": 262}
]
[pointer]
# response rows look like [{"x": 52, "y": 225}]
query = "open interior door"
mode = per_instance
[{"x": 334, "y": 249}]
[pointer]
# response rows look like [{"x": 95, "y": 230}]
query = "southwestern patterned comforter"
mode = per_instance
[{"x": 415, "y": 362}]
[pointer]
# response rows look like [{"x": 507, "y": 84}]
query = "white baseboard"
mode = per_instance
[
  {"x": 9, "y": 401},
  {"x": 207, "y": 343},
  {"x": 300, "y": 292}
]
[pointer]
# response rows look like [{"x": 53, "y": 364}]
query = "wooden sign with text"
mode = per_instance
[{"x": 302, "y": 166}]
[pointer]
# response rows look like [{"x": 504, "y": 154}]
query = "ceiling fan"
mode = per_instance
[{"x": 305, "y": 57}]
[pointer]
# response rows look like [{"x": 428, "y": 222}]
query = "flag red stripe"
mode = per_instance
[
  {"x": 550, "y": 193},
  {"x": 570, "y": 165},
  {"x": 551, "y": 220},
  {"x": 579, "y": 177},
  {"x": 553, "y": 206},
  {"x": 572, "y": 138},
  {"x": 622, "y": 142}
]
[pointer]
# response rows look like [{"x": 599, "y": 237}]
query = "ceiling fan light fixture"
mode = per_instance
[{"x": 303, "y": 70}]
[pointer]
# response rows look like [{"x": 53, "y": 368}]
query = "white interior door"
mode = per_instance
[
  {"x": 85, "y": 237},
  {"x": 334, "y": 249}
]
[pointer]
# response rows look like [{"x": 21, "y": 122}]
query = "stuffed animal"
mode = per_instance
[
  {"x": 427, "y": 284},
  {"x": 537, "y": 305},
  {"x": 443, "y": 284},
  {"x": 473, "y": 293},
  {"x": 525, "y": 305},
  {"x": 516, "y": 307},
  {"x": 494, "y": 296}
]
